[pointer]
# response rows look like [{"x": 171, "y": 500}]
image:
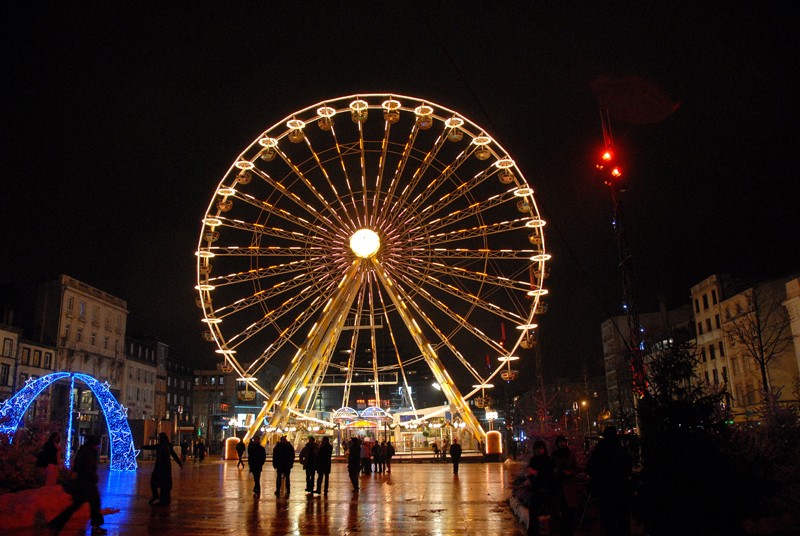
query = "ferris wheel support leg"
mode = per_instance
[
  {"x": 257, "y": 422},
  {"x": 287, "y": 392},
  {"x": 434, "y": 363}
]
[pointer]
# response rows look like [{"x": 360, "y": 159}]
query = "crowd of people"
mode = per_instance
[{"x": 556, "y": 489}]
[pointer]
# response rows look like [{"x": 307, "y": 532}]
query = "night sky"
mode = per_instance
[{"x": 119, "y": 121}]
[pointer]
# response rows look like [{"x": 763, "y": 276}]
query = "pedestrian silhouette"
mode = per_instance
[
  {"x": 282, "y": 461},
  {"x": 324, "y": 456},
  {"x": 83, "y": 488},
  {"x": 609, "y": 469},
  {"x": 455, "y": 455},
  {"x": 161, "y": 478},
  {"x": 240, "y": 448},
  {"x": 49, "y": 458},
  {"x": 256, "y": 456},
  {"x": 541, "y": 481},
  {"x": 308, "y": 459}
]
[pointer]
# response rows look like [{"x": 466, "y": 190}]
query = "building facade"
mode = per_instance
[{"x": 735, "y": 325}]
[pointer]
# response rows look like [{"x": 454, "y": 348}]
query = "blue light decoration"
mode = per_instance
[
  {"x": 122, "y": 453},
  {"x": 68, "y": 453}
]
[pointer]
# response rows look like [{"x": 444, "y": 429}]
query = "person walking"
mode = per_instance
[
  {"x": 324, "y": 465},
  {"x": 282, "y": 461},
  {"x": 161, "y": 478},
  {"x": 541, "y": 480},
  {"x": 389, "y": 454},
  {"x": 49, "y": 458},
  {"x": 354, "y": 461},
  {"x": 184, "y": 450},
  {"x": 256, "y": 456},
  {"x": 609, "y": 468},
  {"x": 566, "y": 493},
  {"x": 84, "y": 488},
  {"x": 201, "y": 450},
  {"x": 455, "y": 455},
  {"x": 240, "y": 448},
  {"x": 308, "y": 459}
]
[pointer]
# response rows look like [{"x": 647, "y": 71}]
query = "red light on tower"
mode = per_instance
[
  {"x": 607, "y": 156},
  {"x": 616, "y": 172}
]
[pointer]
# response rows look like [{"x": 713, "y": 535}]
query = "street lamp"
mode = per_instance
[{"x": 588, "y": 423}]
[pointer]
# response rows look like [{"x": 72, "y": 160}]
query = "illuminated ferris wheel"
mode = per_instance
[{"x": 364, "y": 236}]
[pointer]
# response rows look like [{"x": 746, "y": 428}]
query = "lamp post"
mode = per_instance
[{"x": 588, "y": 422}]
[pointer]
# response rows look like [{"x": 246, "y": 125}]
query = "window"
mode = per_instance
[
  {"x": 82, "y": 310},
  {"x": 703, "y": 353},
  {"x": 8, "y": 347},
  {"x": 707, "y": 380},
  {"x": 79, "y": 335},
  {"x": 37, "y": 358},
  {"x": 221, "y": 380},
  {"x": 105, "y": 343},
  {"x": 66, "y": 333},
  {"x": 699, "y": 328},
  {"x": 721, "y": 349},
  {"x": 708, "y": 324},
  {"x": 26, "y": 356},
  {"x": 714, "y": 296},
  {"x": 716, "y": 321},
  {"x": 705, "y": 302},
  {"x": 712, "y": 351},
  {"x": 48, "y": 360},
  {"x": 213, "y": 380},
  {"x": 716, "y": 377},
  {"x": 205, "y": 380},
  {"x": 196, "y": 380},
  {"x": 22, "y": 378},
  {"x": 5, "y": 370},
  {"x": 94, "y": 338},
  {"x": 725, "y": 374},
  {"x": 70, "y": 303},
  {"x": 696, "y": 306}
]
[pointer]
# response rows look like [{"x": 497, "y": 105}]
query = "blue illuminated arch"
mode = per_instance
[{"x": 122, "y": 453}]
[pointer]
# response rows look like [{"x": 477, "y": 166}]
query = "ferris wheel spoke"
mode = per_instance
[
  {"x": 464, "y": 298},
  {"x": 277, "y": 270},
  {"x": 445, "y": 340},
  {"x": 272, "y": 316},
  {"x": 479, "y": 231},
  {"x": 461, "y": 273},
  {"x": 428, "y": 225},
  {"x": 296, "y": 200}
]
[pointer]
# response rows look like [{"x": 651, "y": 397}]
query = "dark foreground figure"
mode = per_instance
[
  {"x": 83, "y": 488},
  {"x": 161, "y": 479}
]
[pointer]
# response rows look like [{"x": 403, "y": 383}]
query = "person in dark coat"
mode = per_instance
[
  {"x": 240, "y": 448},
  {"x": 49, "y": 458},
  {"x": 256, "y": 456},
  {"x": 542, "y": 483},
  {"x": 324, "y": 456},
  {"x": 455, "y": 455},
  {"x": 389, "y": 455},
  {"x": 282, "y": 461},
  {"x": 566, "y": 485},
  {"x": 161, "y": 479},
  {"x": 84, "y": 488},
  {"x": 184, "y": 450},
  {"x": 609, "y": 469},
  {"x": 354, "y": 461},
  {"x": 308, "y": 459}
]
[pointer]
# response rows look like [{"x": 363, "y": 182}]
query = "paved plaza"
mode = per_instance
[{"x": 215, "y": 498}]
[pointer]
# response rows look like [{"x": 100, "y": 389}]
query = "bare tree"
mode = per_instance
[{"x": 760, "y": 323}]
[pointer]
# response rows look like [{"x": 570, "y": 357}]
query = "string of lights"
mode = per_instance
[{"x": 122, "y": 454}]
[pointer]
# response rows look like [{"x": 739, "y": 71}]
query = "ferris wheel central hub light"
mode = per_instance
[{"x": 365, "y": 243}]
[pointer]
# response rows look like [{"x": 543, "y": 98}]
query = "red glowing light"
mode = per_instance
[
  {"x": 607, "y": 156},
  {"x": 616, "y": 172}
]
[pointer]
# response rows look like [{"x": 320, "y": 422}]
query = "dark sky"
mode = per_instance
[{"x": 118, "y": 122}]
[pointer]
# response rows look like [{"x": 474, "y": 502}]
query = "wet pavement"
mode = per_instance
[{"x": 214, "y": 497}]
